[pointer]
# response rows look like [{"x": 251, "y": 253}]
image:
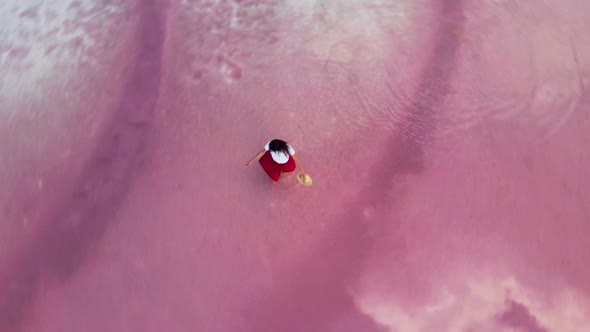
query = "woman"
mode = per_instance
[{"x": 277, "y": 157}]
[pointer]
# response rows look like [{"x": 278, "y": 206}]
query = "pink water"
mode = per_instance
[{"x": 447, "y": 141}]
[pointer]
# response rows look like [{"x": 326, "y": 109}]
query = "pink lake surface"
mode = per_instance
[{"x": 448, "y": 143}]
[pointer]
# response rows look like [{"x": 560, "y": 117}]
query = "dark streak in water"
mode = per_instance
[
  {"x": 431, "y": 92},
  {"x": 80, "y": 222},
  {"x": 518, "y": 316}
]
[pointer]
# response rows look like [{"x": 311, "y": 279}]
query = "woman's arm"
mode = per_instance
[
  {"x": 256, "y": 157},
  {"x": 298, "y": 163}
]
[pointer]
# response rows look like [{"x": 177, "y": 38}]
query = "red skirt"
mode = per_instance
[{"x": 274, "y": 169}]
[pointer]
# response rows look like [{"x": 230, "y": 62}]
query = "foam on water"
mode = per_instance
[
  {"x": 483, "y": 304},
  {"x": 324, "y": 30},
  {"x": 42, "y": 42},
  {"x": 336, "y": 26}
]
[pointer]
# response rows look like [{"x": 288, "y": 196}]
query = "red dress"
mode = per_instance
[{"x": 274, "y": 169}]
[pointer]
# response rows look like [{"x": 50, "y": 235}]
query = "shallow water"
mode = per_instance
[{"x": 446, "y": 141}]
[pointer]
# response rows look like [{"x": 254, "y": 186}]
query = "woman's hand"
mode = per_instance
[
  {"x": 256, "y": 157},
  {"x": 298, "y": 163}
]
